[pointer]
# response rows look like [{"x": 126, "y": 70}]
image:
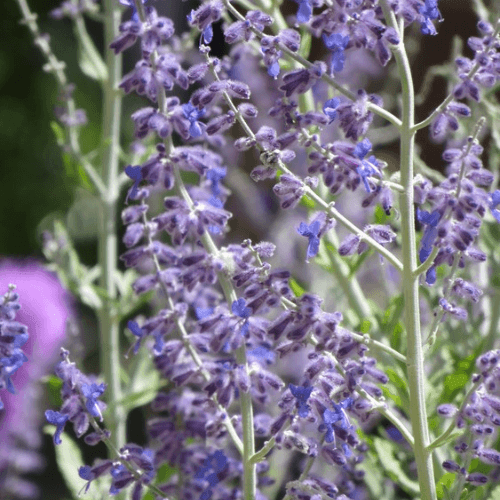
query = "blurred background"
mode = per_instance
[{"x": 34, "y": 181}]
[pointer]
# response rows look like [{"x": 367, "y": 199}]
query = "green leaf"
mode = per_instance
[
  {"x": 385, "y": 452},
  {"x": 296, "y": 288},
  {"x": 365, "y": 326},
  {"x": 58, "y": 132},
  {"x": 89, "y": 59},
  {"x": 307, "y": 202},
  {"x": 54, "y": 385},
  {"x": 495, "y": 494},
  {"x": 444, "y": 484},
  {"x": 397, "y": 378},
  {"x": 144, "y": 382},
  {"x": 69, "y": 459}
]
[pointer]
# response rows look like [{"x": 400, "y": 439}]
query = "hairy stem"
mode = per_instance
[
  {"x": 414, "y": 355},
  {"x": 107, "y": 237}
]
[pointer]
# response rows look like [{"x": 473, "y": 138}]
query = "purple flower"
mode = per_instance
[
  {"x": 429, "y": 11},
  {"x": 239, "y": 308},
  {"x": 204, "y": 16},
  {"x": 138, "y": 332},
  {"x": 338, "y": 417},
  {"x": 311, "y": 232},
  {"x": 59, "y": 420},
  {"x": 301, "y": 394},
  {"x": 209, "y": 471},
  {"x": 131, "y": 4},
  {"x": 330, "y": 108},
  {"x": 495, "y": 201},
  {"x": 305, "y": 10},
  {"x": 134, "y": 173},
  {"x": 336, "y": 43},
  {"x": 367, "y": 167},
  {"x": 45, "y": 310},
  {"x": 193, "y": 114},
  {"x": 430, "y": 220},
  {"x": 92, "y": 392}
]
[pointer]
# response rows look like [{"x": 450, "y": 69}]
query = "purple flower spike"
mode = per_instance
[
  {"x": 336, "y": 43},
  {"x": 10, "y": 366},
  {"x": 59, "y": 420},
  {"x": 311, "y": 232},
  {"x": 301, "y": 394}
]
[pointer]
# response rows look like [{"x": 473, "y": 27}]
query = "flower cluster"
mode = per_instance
[
  {"x": 477, "y": 419},
  {"x": 252, "y": 361},
  {"x": 80, "y": 402},
  {"x": 459, "y": 205},
  {"x": 13, "y": 336}
]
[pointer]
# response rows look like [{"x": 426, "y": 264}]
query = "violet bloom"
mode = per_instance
[
  {"x": 301, "y": 394},
  {"x": 367, "y": 167},
  {"x": 429, "y": 11},
  {"x": 311, "y": 232},
  {"x": 305, "y": 10},
  {"x": 134, "y": 173},
  {"x": 193, "y": 114},
  {"x": 337, "y": 44},
  {"x": 131, "y": 4},
  {"x": 45, "y": 310},
  {"x": 495, "y": 201}
]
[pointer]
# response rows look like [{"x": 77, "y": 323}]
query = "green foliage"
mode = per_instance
[
  {"x": 296, "y": 288},
  {"x": 69, "y": 459},
  {"x": 387, "y": 452},
  {"x": 141, "y": 380},
  {"x": 444, "y": 484}
]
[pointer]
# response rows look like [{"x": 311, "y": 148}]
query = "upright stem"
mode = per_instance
[
  {"x": 107, "y": 238},
  {"x": 414, "y": 355}
]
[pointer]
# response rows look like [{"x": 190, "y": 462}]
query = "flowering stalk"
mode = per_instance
[
  {"x": 107, "y": 235},
  {"x": 414, "y": 354}
]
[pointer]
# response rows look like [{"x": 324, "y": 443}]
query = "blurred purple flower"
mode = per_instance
[{"x": 45, "y": 310}]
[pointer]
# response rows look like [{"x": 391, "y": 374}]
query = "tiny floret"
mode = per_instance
[{"x": 337, "y": 44}]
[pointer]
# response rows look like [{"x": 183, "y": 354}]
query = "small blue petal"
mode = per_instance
[
  {"x": 208, "y": 34},
  {"x": 305, "y": 11},
  {"x": 239, "y": 308}
]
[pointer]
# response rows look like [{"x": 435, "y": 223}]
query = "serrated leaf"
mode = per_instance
[
  {"x": 69, "y": 459},
  {"x": 385, "y": 452}
]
